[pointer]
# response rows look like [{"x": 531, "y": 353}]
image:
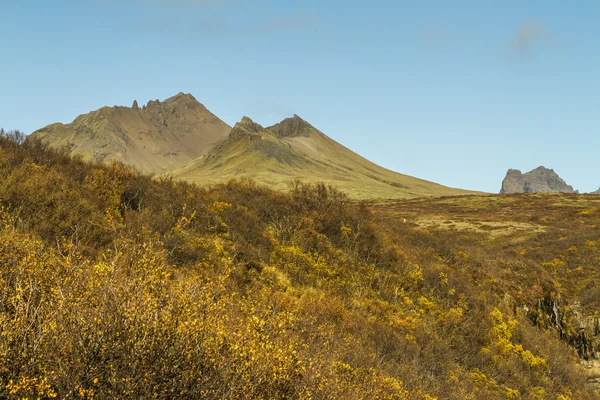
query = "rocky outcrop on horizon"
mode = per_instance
[{"x": 539, "y": 180}]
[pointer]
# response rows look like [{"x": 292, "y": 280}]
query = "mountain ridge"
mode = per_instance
[
  {"x": 182, "y": 138},
  {"x": 294, "y": 149},
  {"x": 155, "y": 138}
]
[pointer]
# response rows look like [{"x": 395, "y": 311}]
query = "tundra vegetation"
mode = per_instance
[{"x": 114, "y": 284}]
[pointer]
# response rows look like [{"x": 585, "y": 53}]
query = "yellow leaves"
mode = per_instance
[
  {"x": 452, "y": 317},
  {"x": 346, "y": 231},
  {"x": 537, "y": 393},
  {"x": 501, "y": 336},
  {"x": 426, "y": 304},
  {"x": 414, "y": 273},
  {"x": 481, "y": 380},
  {"x": 84, "y": 393},
  {"x": 301, "y": 265},
  {"x": 529, "y": 358},
  {"x": 367, "y": 383},
  {"x": 564, "y": 396},
  {"x": 512, "y": 393},
  {"x": 26, "y": 386},
  {"x": 102, "y": 269},
  {"x": 443, "y": 278},
  {"x": 219, "y": 206},
  {"x": 410, "y": 339},
  {"x": 553, "y": 265},
  {"x": 184, "y": 221}
]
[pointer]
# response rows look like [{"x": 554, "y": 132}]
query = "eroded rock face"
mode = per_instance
[{"x": 539, "y": 180}]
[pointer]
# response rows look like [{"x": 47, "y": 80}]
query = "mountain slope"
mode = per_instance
[
  {"x": 156, "y": 138},
  {"x": 293, "y": 149}
]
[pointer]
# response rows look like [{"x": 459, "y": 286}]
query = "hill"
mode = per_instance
[
  {"x": 157, "y": 137},
  {"x": 293, "y": 149},
  {"x": 539, "y": 180},
  {"x": 118, "y": 285}
]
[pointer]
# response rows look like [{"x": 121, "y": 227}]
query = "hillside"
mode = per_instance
[
  {"x": 157, "y": 137},
  {"x": 293, "y": 149},
  {"x": 118, "y": 285}
]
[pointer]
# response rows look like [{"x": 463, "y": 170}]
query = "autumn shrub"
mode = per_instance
[{"x": 114, "y": 284}]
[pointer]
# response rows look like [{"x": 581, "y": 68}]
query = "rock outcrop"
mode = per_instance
[
  {"x": 539, "y": 180},
  {"x": 292, "y": 127}
]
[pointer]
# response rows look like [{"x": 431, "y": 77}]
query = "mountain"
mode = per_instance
[
  {"x": 540, "y": 179},
  {"x": 180, "y": 137},
  {"x": 155, "y": 138},
  {"x": 596, "y": 192},
  {"x": 294, "y": 149}
]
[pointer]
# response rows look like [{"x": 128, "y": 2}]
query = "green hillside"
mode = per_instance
[{"x": 293, "y": 149}]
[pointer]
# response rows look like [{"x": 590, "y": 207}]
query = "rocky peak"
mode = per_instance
[
  {"x": 540, "y": 179},
  {"x": 292, "y": 127},
  {"x": 246, "y": 127},
  {"x": 183, "y": 99},
  {"x": 135, "y": 105}
]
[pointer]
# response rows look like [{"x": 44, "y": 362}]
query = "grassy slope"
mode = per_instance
[
  {"x": 277, "y": 155},
  {"x": 156, "y": 138},
  {"x": 542, "y": 242}
]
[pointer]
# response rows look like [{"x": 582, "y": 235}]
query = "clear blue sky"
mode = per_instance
[{"x": 452, "y": 91}]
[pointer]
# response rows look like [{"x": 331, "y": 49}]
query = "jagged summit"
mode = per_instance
[
  {"x": 541, "y": 179},
  {"x": 245, "y": 127},
  {"x": 182, "y": 99},
  {"x": 292, "y": 127},
  {"x": 158, "y": 137}
]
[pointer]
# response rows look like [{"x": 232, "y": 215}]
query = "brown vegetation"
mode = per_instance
[{"x": 117, "y": 285}]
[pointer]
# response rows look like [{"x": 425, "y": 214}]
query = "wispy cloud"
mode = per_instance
[{"x": 529, "y": 36}]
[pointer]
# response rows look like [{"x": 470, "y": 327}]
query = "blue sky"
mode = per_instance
[{"x": 452, "y": 91}]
